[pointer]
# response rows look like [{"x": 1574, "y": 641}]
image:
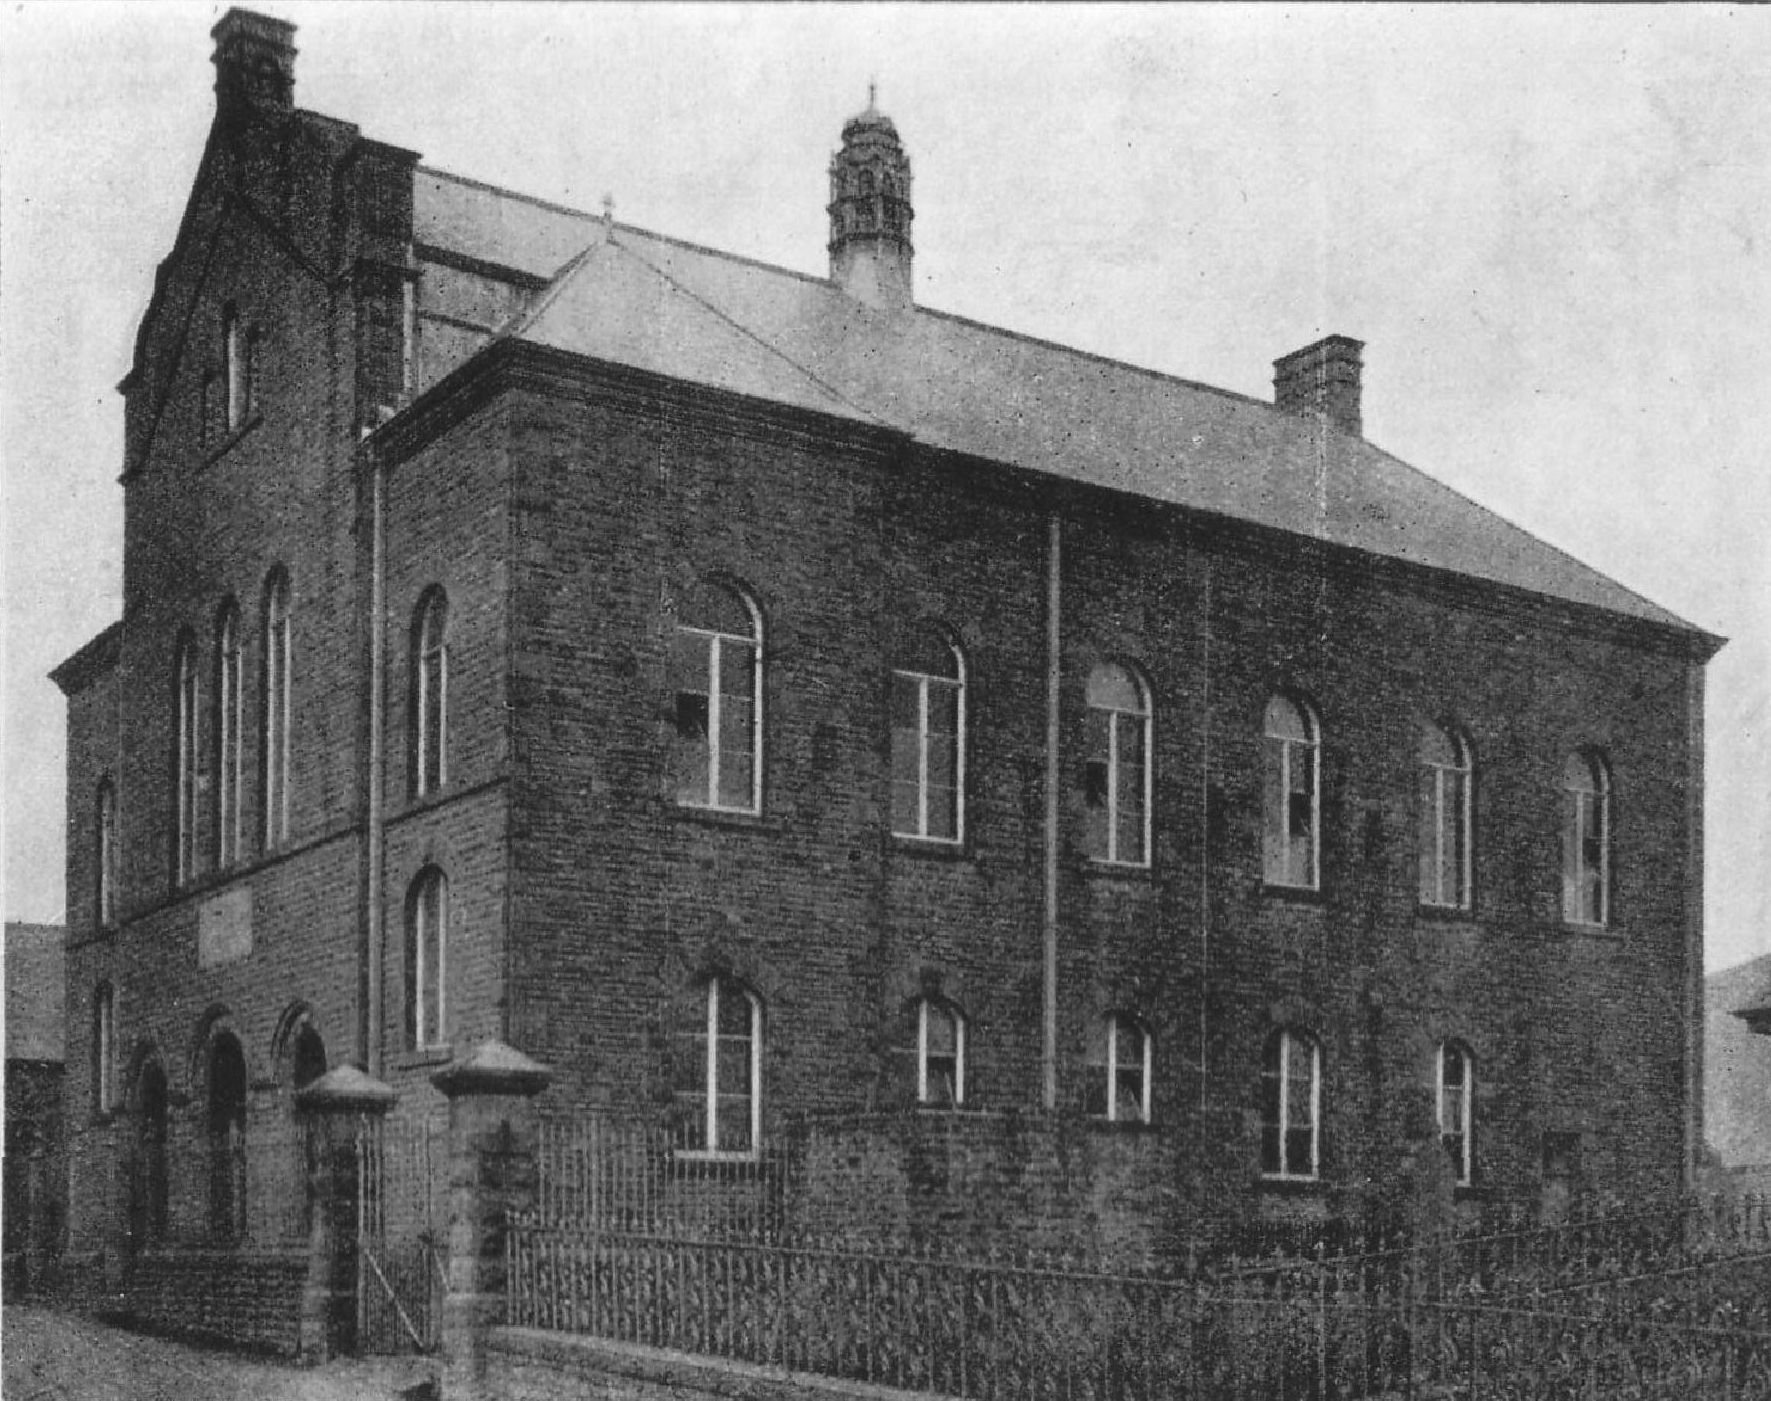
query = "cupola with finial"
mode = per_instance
[{"x": 870, "y": 212}]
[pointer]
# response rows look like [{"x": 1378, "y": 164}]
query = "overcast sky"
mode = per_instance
[{"x": 1551, "y": 226}]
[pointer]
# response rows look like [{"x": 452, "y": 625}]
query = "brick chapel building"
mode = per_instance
[{"x": 768, "y": 702}]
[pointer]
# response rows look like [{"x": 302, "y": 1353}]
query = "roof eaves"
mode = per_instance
[{"x": 98, "y": 655}]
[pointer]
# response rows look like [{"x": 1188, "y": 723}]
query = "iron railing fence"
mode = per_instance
[{"x": 996, "y": 1327}]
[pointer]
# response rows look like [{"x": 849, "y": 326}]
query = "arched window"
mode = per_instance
[
  {"x": 1116, "y": 790},
  {"x": 940, "y": 1053},
  {"x": 274, "y": 711},
  {"x": 1291, "y": 1106},
  {"x": 1293, "y": 795},
  {"x": 104, "y": 856},
  {"x": 236, "y": 381},
  {"x": 928, "y": 739},
  {"x": 427, "y": 960},
  {"x": 184, "y": 838},
  {"x": 254, "y": 359},
  {"x": 430, "y": 694},
  {"x": 1444, "y": 819},
  {"x": 227, "y": 1140},
  {"x": 716, "y": 677},
  {"x": 731, "y": 1071},
  {"x": 225, "y": 733},
  {"x": 147, "y": 1179},
  {"x": 308, "y": 1058},
  {"x": 1119, "y": 1085},
  {"x": 1586, "y": 840},
  {"x": 1455, "y": 1086},
  {"x": 104, "y": 1048}
]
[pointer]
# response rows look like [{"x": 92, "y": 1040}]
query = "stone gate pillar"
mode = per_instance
[
  {"x": 491, "y": 1165},
  {"x": 338, "y": 1110}
]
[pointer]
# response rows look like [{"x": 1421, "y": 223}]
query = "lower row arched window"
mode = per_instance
[
  {"x": 427, "y": 961},
  {"x": 1455, "y": 1077},
  {"x": 227, "y": 1140},
  {"x": 730, "y": 1102},
  {"x": 1119, "y": 1070},
  {"x": 1291, "y": 1105},
  {"x": 940, "y": 1054}
]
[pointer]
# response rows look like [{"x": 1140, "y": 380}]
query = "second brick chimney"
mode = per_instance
[
  {"x": 254, "y": 65},
  {"x": 1322, "y": 379}
]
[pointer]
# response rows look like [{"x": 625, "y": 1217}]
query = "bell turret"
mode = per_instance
[{"x": 870, "y": 212}]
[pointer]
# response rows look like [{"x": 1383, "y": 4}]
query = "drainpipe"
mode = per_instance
[
  {"x": 1054, "y": 560},
  {"x": 1205, "y": 851},
  {"x": 1692, "y": 1010},
  {"x": 370, "y": 1037}
]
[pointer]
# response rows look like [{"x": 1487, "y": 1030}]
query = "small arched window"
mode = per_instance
[
  {"x": 731, "y": 1071},
  {"x": 1586, "y": 840},
  {"x": 1119, "y": 1085},
  {"x": 1116, "y": 787},
  {"x": 274, "y": 713},
  {"x": 1292, "y": 795},
  {"x": 104, "y": 1049},
  {"x": 104, "y": 856},
  {"x": 236, "y": 380},
  {"x": 185, "y": 761},
  {"x": 717, "y": 683},
  {"x": 1445, "y": 858},
  {"x": 427, "y": 960},
  {"x": 1291, "y": 1106},
  {"x": 1455, "y": 1085},
  {"x": 940, "y": 1053},
  {"x": 225, "y": 733},
  {"x": 928, "y": 739},
  {"x": 430, "y": 694}
]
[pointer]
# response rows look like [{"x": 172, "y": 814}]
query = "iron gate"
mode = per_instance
[{"x": 400, "y": 1234}]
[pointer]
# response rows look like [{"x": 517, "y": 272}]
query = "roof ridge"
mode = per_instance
[{"x": 506, "y": 191}]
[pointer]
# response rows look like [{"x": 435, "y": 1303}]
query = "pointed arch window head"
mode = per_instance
[
  {"x": 430, "y": 694},
  {"x": 928, "y": 739},
  {"x": 274, "y": 712},
  {"x": 940, "y": 1054},
  {"x": 427, "y": 961},
  {"x": 1292, "y": 795},
  {"x": 1119, "y": 1082},
  {"x": 1116, "y": 782},
  {"x": 1586, "y": 840},
  {"x": 1455, "y": 1085},
  {"x": 227, "y": 1139},
  {"x": 716, "y": 683},
  {"x": 225, "y": 732},
  {"x": 1291, "y": 1107},
  {"x": 104, "y": 856},
  {"x": 730, "y": 1119},
  {"x": 1445, "y": 826},
  {"x": 185, "y": 762},
  {"x": 104, "y": 1049}
]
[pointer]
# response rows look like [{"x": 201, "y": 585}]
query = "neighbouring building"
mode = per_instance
[
  {"x": 1737, "y": 1071},
  {"x": 35, "y": 1164},
  {"x": 1027, "y": 782}
]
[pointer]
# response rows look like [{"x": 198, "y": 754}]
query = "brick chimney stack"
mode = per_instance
[
  {"x": 1322, "y": 380},
  {"x": 254, "y": 65}
]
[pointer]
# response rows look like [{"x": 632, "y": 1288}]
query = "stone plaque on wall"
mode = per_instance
[{"x": 224, "y": 928}]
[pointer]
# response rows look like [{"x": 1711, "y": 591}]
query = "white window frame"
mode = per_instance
[
  {"x": 432, "y": 648},
  {"x": 429, "y": 991},
  {"x": 275, "y": 739},
  {"x": 1284, "y": 1041},
  {"x": 1580, "y": 800},
  {"x": 105, "y": 855},
  {"x": 953, "y": 1013},
  {"x": 1116, "y": 1021},
  {"x": 229, "y": 747},
  {"x": 1145, "y": 718},
  {"x": 186, "y": 720},
  {"x": 718, "y": 642},
  {"x": 1288, "y": 746},
  {"x": 1439, "y": 819},
  {"x": 957, "y": 684},
  {"x": 716, "y": 989},
  {"x": 1465, "y": 1104},
  {"x": 104, "y": 1048}
]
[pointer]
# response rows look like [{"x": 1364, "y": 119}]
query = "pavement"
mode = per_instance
[{"x": 50, "y": 1356}]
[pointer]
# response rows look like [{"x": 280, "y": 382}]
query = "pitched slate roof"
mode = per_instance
[{"x": 640, "y": 299}]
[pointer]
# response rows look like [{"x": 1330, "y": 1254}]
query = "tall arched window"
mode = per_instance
[
  {"x": 716, "y": 678},
  {"x": 430, "y": 694},
  {"x": 225, "y": 733},
  {"x": 731, "y": 1070},
  {"x": 148, "y": 1179},
  {"x": 1293, "y": 795},
  {"x": 274, "y": 711},
  {"x": 235, "y": 378},
  {"x": 1586, "y": 840},
  {"x": 1291, "y": 1106},
  {"x": 104, "y": 1048},
  {"x": 427, "y": 960},
  {"x": 1444, "y": 819},
  {"x": 104, "y": 856},
  {"x": 928, "y": 739},
  {"x": 1119, "y": 1082},
  {"x": 1116, "y": 791},
  {"x": 940, "y": 1053},
  {"x": 184, "y": 837},
  {"x": 227, "y": 1140},
  {"x": 1455, "y": 1077}
]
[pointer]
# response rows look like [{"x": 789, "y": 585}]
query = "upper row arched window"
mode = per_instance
[
  {"x": 275, "y": 698},
  {"x": 1586, "y": 840},
  {"x": 1292, "y": 782},
  {"x": 104, "y": 856},
  {"x": 225, "y": 728},
  {"x": 928, "y": 739},
  {"x": 184, "y": 841},
  {"x": 1444, "y": 819},
  {"x": 716, "y": 677},
  {"x": 1117, "y": 779},
  {"x": 429, "y": 710}
]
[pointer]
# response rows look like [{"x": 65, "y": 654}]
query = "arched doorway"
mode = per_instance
[{"x": 227, "y": 1139}]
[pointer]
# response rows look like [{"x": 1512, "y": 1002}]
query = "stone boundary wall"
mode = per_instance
[{"x": 243, "y": 1298}]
